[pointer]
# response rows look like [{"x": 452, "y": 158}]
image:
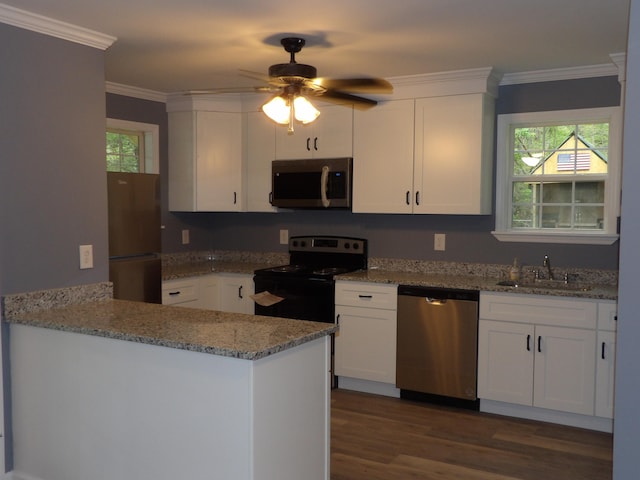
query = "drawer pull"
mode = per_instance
[
  {"x": 365, "y": 296},
  {"x": 174, "y": 293},
  {"x": 240, "y": 291}
]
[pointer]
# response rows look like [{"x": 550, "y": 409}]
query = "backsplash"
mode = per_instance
[{"x": 497, "y": 271}]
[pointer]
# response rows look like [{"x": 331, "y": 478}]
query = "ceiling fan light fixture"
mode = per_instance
[
  {"x": 283, "y": 110},
  {"x": 304, "y": 110},
  {"x": 277, "y": 110}
]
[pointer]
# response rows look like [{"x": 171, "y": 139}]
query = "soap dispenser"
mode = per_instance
[{"x": 514, "y": 272}]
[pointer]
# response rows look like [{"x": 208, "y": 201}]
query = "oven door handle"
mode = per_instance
[{"x": 324, "y": 181}]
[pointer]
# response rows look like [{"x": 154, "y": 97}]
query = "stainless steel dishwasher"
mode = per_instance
[{"x": 437, "y": 343}]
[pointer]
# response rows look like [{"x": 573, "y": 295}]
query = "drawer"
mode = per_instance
[
  {"x": 177, "y": 291},
  {"x": 607, "y": 316},
  {"x": 364, "y": 294},
  {"x": 539, "y": 309}
]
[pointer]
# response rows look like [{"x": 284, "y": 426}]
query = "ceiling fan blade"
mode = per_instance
[
  {"x": 363, "y": 85},
  {"x": 264, "y": 78},
  {"x": 212, "y": 91},
  {"x": 343, "y": 98}
]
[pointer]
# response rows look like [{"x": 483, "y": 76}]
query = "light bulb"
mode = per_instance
[
  {"x": 277, "y": 110},
  {"x": 305, "y": 112}
]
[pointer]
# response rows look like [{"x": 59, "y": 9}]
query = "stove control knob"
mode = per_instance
[
  {"x": 303, "y": 243},
  {"x": 347, "y": 246},
  {"x": 294, "y": 243},
  {"x": 356, "y": 245}
]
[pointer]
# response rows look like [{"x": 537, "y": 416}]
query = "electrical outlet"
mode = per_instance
[
  {"x": 284, "y": 237},
  {"x": 439, "y": 241},
  {"x": 185, "y": 237},
  {"x": 86, "y": 256}
]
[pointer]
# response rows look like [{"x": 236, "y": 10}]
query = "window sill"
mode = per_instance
[{"x": 556, "y": 237}]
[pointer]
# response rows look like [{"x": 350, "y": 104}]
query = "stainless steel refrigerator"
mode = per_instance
[{"x": 134, "y": 236}]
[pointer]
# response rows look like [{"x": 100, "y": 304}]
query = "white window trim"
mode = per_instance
[
  {"x": 151, "y": 141},
  {"x": 503, "y": 187}
]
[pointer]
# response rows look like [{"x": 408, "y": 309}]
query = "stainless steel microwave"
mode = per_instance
[{"x": 312, "y": 183}]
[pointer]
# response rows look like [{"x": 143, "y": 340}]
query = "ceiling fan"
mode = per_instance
[{"x": 291, "y": 83}]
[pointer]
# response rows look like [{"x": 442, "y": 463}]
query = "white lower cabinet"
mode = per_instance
[
  {"x": 180, "y": 292},
  {"x": 365, "y": 345},
  {"x": 226, "y": 292},
  {"x": 235, "y": 290},
  {"x": 606, "y": 359},
  {"x": 543, "y": 352}
]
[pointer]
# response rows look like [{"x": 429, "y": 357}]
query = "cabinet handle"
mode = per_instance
[
  {"x": 174, "y": 293},
  {"x": 417, "y": 198},
  {"x": 528, "y": 343},
  {"x": 365, "y": 296},
  {"x": 338, "y": 319},
  {"x": 603, "y": 347},
  {"x": 308, "y": 146},
  {"x": 315, "y": 144},
  {"x": 540, "y": 343},
  {"x": 235, "y": 198},
  {"x": 240, "y": 291},
  {"x": 271, "y": 198},
  {"x": 407, "y": 199}
]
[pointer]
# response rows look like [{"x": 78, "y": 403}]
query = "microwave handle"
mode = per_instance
[{"x": 324, "y": 180}]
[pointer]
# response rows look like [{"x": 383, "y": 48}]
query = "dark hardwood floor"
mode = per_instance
[{"x": 381, "y": 438}]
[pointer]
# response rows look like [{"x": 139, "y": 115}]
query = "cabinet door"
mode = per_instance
[
  {"x": 218, "y": 173},
  {"x": 505, "y": 362},
  {"x": 605, "y": 374},
  {"x": 453, "y": 154},
  {"x": 208, "y": 292},
  {"x": 261, "y": 151},
  {"x": 565, "y": 369},
  {"x": 365, "y": 345},
  {"x": 383, "y": 158},
  {"x": 330, "y": 135},
  {"x": 235, "y": 293}
]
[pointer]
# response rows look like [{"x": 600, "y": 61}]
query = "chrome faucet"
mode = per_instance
[{"x": 547, "y": 263}]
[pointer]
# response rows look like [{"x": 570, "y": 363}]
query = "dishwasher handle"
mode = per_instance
[{"x": 439, "y": 293}]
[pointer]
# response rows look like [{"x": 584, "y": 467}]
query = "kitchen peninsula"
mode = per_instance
[{"x": 104, "y": 389}]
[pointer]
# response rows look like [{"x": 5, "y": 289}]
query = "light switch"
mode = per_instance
[
  {"x": 439, "y": 241},
  {"x": 284, "y": 237},
  {"x": 86, "y": 256},
  {"x": 185, "y": 237}
]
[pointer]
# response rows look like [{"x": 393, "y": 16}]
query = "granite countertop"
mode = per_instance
[
  {"x": 474, "y": 282},
  {"x": 194, "y": 269},
  {"x": 236, "y": 335}
]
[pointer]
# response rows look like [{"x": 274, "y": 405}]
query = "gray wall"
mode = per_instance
[
  {"x": 396, "y": 236},
  {"x": 52, "y": 169},
  {"x": 53, "y": 194},
  {"x": 627, "y": 423}
]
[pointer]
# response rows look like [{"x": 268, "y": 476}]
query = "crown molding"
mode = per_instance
[
  {"x": 54, "y": 28},
  {"x": 136, "y": 92},
  {"x": 572, "y": 73}
]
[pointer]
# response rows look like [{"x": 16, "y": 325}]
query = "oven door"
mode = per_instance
[{"x": 304, "y": 298}]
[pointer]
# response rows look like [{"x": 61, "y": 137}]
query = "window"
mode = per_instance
[
  {"x": 558, "y": 176},
  {"x": 125, "y": 151},
  {"x": 132, "y": 147}
]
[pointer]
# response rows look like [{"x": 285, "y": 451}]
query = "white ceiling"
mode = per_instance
[{"x": 175, "y": 45}]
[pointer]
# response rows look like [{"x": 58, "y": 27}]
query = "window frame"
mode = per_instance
[
  {"x": 504, "y": 177},
  {"x": 150, "y": 131}
]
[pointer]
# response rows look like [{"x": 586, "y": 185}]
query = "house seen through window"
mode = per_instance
[{"x": 558, "y": 178}]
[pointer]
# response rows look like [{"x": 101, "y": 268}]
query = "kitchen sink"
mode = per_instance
[{"x": 547, "y": 285}]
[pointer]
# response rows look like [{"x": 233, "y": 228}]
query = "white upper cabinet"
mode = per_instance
[
  {"x": 383, "y": 158},
  {"x": 453, "y": 154},
  {"x": 329, "y": 136},
  {"x": 205, "y": 161},
  {"x": 260, "y": 144},
  {"x": 429, "y": 150}
]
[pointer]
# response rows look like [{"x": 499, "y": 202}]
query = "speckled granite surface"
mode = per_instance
[
  {"x": 471, "y": 282},
  {"x": 235, "y": 335}
]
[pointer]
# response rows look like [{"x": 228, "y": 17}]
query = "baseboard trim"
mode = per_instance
[
  {"x": 544, "y": 415},
  {"x": 368, "y": 386}
]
